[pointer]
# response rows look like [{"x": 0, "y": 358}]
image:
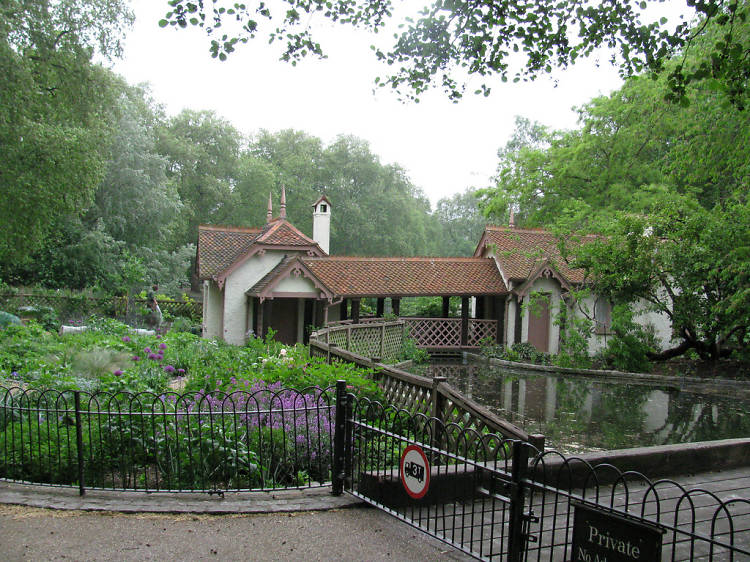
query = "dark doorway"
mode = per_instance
[
  {"x": 284, "y": 316},
  {"x": 539, "y": 324}
]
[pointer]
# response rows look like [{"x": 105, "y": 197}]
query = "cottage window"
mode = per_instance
[
  {"x": 323, "y": 207},
  {"x": 603, "y": 316}
]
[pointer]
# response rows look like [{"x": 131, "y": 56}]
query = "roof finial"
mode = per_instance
[
  {"x": 512, "y": 219},
  {"x": 283, "y": 202},
  {"x": 269, "y": 214}
]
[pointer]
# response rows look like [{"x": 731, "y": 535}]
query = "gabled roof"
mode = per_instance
[
  {"x": 320, "y": 199},
  {"x": 220, "y": 246},
  {"x": 289, "y": 266},
  {"x": 403, "y": 277},
  {"x": 221, "y": 249},
  {"x": 280, "y": 232},
  {"x": 521, "y": 251}
]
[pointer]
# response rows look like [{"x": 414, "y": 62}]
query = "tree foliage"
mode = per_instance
[
  {"x": 54, "y": 112},
  {"x": 452, "y": 42},
  {"x": 687, "y": 262}
]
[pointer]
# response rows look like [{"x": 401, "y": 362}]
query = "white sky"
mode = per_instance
[{"x": 444, "y": 147}]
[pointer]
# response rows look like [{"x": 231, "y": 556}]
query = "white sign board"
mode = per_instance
[{"x": 415, "y": 472}]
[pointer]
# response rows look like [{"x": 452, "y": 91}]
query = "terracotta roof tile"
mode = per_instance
[
  {"x": 360, "y": 277},
  {"x": 519, "y": 251},
  {"x": 280, "y": 232},
  {"x": 220, "y": 246}
]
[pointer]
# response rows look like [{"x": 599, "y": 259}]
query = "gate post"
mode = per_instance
[
  {"x": 79, "y": 442},
  {"x": 337, "y": 464},
  {"x": 517, "y": 540}
]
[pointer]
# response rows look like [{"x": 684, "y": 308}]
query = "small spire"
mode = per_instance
[
  {"x": 512, "y": 219},
  {"x": 269, "y": 214},
  {"x": 283, "y": 202}
]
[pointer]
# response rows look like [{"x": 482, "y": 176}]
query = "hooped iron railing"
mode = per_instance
[
  {"x": 500, "y": 499},
  {"x": 263, "y": 438}
]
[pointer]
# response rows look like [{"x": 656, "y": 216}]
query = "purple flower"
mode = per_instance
[
  {"x": 159, "y": 356},
  {"x": 118, "y": 372},
  {"x": 14, "y": 374},
  {"x": 136, "y": 358},
  {"x": 181, "y": 371},
  {"x": 162, "y": 345},
  {"x": 152, "y": 356},
  {"x": 126, "y": 339},
  {"x": 169, "y": 368},
  {"x": 158, "y": 336},
  {"x": 146, "y": 350}
]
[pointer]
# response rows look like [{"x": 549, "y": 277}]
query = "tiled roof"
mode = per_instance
[
  {"x": 270, "y": 276},
  {"x": 280, "y": 232},
  {"x": 520, "y": 251},
  {"x": 220, "y": 246},
  {"x": 361, "y": 277}
]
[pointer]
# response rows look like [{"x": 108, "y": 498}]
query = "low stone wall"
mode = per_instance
[
  {"x": 707, "y": 386},
  {"x": 655, "y": 462}
]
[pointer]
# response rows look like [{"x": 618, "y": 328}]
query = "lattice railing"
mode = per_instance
[
  {"x": 441, "y": 333},
  {"x": 435, "y": 332},
  {"x": 380, "y": 340},
  {"x": 416, "y": 394},
  {"x": 481, "y": 329}
]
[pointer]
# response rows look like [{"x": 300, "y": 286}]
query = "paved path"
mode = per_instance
[{"x": 286, "y": 525}]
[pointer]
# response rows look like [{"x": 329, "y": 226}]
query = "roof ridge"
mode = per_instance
[
  {"x": 397, "y": 258},
  {"x": 218, "y": 227}
]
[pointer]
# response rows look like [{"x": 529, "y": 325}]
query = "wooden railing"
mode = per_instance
[
  {"x": 441, "y": 333},
  {"x": 431, "y": 397}
]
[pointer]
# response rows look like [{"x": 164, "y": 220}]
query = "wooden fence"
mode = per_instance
[
  {"x": 431, "y": 397},
  {"x": 73, "y": 308}
]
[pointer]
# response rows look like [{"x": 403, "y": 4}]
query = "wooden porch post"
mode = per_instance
[
  {"x": 446, "y": 307},
  {"x": 355, "y": 311},
  {"x": 396, "y": 305},
  {"x": 464, "y": 321},
  {"x": 479, "y": 311},
  {"x": 381, "y": 307},
  {"x": 500, "y": 311}
]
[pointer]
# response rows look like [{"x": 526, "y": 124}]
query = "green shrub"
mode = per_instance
[
  {"x": 7, "y": 319},
  {"x": 628, "y": 348}
]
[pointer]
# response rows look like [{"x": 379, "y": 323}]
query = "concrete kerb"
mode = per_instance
[{"x": 277, "y": 501}]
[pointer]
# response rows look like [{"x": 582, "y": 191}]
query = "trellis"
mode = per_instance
[{"x": 418, "y": 395}]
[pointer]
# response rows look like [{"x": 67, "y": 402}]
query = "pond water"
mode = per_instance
[{"x": 579, "y": 414}]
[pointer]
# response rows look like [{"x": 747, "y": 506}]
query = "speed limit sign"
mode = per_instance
[{"x": 415, "y": 472}]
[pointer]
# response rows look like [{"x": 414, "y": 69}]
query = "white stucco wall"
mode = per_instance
[
  {"x": 510, "y": 327},
  {"x": 235, "y": 300},
  {"x": 212, "y": 310},
  {"x": 295, "y": 285}
]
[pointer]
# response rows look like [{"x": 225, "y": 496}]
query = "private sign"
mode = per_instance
[{"x": 415, "y": 472}]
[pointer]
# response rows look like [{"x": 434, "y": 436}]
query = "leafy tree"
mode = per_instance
[
  {"x": 54, "y": 118},
  {"x": 202, "y": 152},
  {"x": 687, "y": 262},
  {"x": 377, "y": 210},
  {"x": 451, "y": 42},
  {"x": 134, "y": 202},
  {"x": 461, "y": 221}
]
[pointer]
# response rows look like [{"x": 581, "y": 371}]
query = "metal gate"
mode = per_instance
[{"x": 499, "y": 499}]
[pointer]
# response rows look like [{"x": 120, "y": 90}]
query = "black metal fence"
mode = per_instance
[
  {"x": 264, "y": 438},
  {"x": 499, "y": 499}
]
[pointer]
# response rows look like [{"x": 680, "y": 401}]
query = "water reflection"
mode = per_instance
[{"x": 580, "y": 414}]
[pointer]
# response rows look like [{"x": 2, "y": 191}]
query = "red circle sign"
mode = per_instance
[{"x": 415, "y": 472}]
